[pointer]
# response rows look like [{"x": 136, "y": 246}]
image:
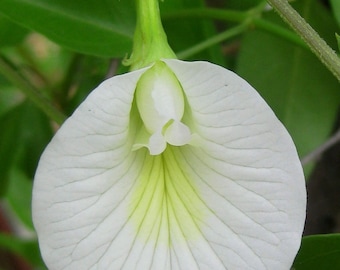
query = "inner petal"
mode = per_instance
[
  {"x": 160, "y": 102},
  {"x": 177, "y": 133}
]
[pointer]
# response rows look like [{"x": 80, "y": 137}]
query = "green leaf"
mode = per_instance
[
  {"x": 9, "y": 97},
  {"x": 319, "y": 252},
  {"x": 10, "y": 33},
  {"x": 19, "y": 196},
  {"x": 28, "y": 249},
  {"x": 24, "y": 133},
  {"x": 338, "y": 39},
  {"x": 301, "y": 91},
  {"x": 336, "y": 9},
  {"x": 97, "y": 27},
  {"x": 35, "y": 134},
  {"x": 9, "y": 134}
]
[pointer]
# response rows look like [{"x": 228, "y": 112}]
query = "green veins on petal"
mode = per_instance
[{"x": 165, "y": 190}]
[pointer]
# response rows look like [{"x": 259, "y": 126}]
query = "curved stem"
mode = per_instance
[
  {"x": 208, "y": 13},
  {"x": 309, "y": 35},
  {"x": 212, "y": 41},
  {"x": 42, "y": 102},
  {"x": 237, "y": 16}
]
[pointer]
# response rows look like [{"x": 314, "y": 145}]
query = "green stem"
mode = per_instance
[
  {"x": 208, "y": 13},
  {"x": 150, "y": 41},
  {"x": 309, "y": 35},
  {"x": 44, "y": 104},
  {"x": 237, "y": 16},
  {"x": 212, "y": 41}
]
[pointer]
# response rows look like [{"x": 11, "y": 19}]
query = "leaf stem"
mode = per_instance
[
  {"x": 29, "y": 90},
  {"x": 318, "y": 46},
  {"x": 212, "y": 41},
  {"x": 237, "y": 16}
]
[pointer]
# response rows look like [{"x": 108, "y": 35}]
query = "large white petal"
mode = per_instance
[
  {"x": 83, "y": 179},
  {"x": 234, "y": 199},
  {"x": 246, "y": 170}
]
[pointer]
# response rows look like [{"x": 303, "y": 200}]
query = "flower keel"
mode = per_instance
[{"x": 160, "y": 101}]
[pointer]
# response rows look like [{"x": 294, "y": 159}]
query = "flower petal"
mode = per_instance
[
  {"x": 177, "y": 134},
  {"x": 157, "y": 143},
  {"x": 83, "y": 177},
  {"x": 246, "y": 170},
  {"x": 232, "y": 199}
]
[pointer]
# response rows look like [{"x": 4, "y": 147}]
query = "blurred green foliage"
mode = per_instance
[{"x": 319, "y": 252}]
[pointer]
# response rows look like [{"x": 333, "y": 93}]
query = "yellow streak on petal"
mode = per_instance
[{"x": 166, "y": 199}]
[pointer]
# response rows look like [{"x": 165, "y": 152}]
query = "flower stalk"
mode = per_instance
[{"x": 150, "y": 41}]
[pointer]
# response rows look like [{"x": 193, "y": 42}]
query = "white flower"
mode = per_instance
[{"x": 177, "y": 166}]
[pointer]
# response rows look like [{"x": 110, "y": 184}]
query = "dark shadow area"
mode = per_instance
[{"x": 323, "y": 188}]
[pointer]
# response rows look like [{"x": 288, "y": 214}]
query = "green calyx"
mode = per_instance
[{"x": 150, "y": 42}]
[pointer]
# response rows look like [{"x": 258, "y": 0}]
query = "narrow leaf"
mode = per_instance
[{"x": 19, "y": 196}]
